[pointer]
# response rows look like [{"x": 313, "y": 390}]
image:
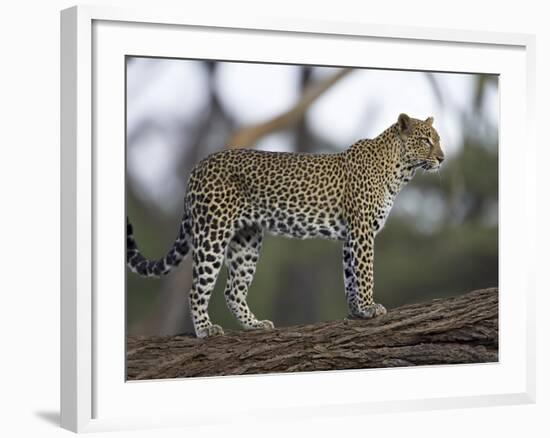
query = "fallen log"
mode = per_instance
[{"x": 460, "y": 329}]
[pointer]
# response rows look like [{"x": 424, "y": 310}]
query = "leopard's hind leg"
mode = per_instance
[
  {"x": 209, "y": 245},
  {"x": 241, "y": 257}
]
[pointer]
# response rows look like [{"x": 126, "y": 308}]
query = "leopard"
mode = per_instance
[{"x": 235, "y": 195}]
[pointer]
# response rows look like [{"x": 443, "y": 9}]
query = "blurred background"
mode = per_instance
[{"x": 441, "y": 237}]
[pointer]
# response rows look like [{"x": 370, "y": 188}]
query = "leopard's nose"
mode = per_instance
[{"x": 440, "y": 158}]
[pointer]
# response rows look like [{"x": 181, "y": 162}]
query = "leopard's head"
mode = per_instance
[{"x": 420, "y": 141}]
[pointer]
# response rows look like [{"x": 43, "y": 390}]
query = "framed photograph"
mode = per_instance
[{"x": 252, "y": 205}]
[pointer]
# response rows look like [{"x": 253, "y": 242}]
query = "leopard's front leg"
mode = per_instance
[{"x": 359, "y": 274}]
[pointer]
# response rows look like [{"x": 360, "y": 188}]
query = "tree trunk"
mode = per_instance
[{"x": 461, "y": 329}]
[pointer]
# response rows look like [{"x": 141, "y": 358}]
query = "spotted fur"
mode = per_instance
[{"x": 235, "y": 195}]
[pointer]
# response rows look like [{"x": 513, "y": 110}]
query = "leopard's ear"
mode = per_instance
[
  {"x": 404, "y": 124},
  {"x": 430, "y": 121}
]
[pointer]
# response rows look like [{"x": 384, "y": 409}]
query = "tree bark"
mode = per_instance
[{"x": 461, "y": 329}]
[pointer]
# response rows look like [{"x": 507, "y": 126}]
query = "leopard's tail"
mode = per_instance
[{"x": 155, "y": 268}]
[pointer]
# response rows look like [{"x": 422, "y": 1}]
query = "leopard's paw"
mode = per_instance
[
  {"x": 211, "y": 330},
  {"x": 379, "y": 309},
  {"x": 266, "y": 325},
  {"x": 369, "y": 312},
  {"x": 261, "y": 325}
]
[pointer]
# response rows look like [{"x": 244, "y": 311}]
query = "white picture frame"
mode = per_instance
[{"x": 94, "y": 394}]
